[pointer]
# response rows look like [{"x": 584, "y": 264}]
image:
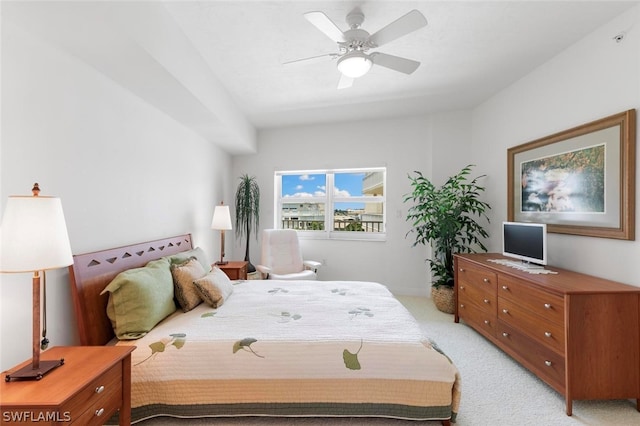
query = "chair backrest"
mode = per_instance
[{"x": 281, "y": 251}]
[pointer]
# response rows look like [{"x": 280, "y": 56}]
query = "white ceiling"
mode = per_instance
[{"x": 228, "y": 69}]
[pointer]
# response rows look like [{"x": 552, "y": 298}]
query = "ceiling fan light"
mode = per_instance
[{"x": 354, "y": 64}]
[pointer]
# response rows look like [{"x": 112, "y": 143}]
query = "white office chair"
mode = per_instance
[{"x": 282, "y": 257}]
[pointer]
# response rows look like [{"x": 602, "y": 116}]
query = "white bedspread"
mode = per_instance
[{"x": 336, "y": 345}]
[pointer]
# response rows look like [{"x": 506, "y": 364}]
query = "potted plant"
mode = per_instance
[
  {"x": 447, "y": 219},
  {"x": 247, "y": 212}
]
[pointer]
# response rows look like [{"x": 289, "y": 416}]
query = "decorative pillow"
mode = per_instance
[
  {"x": 183, "y": 276},
  {"x": 214, "y": 288},
  {"x": 140, "y": 298},
  {"x": 197, "y": 252}
]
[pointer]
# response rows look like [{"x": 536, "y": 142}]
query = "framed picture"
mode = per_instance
[{"x": 580, "y": 181}]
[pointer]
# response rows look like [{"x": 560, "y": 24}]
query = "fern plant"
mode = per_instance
[{"x": 447, "y": 219}]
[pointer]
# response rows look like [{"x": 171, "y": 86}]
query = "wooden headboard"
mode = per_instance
[{"x": 92, "y": 272}]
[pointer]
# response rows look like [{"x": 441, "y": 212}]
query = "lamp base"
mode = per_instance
[
  {"x": 29, "y": 373},
  {"x": 223, "y": 262}
]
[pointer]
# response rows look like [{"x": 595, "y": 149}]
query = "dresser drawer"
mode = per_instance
[
  {"x": 476, "y": 317},
  {"x": 545, "y": 363},
  {"x": 476, "y": 275},
  {"x": 104, "y": 392},
  {"x": 549, "y": 333},
  {"x": 478, "y": 285},
  {"x": 546, "y": 305},
  {"x": 484, "y": 298}
]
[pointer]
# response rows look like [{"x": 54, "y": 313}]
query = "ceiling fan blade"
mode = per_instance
[
  {"x": 410, "y": 22},
  {"x": 395, "y": 63},
  {"x": 312, "y": 58},
  {"x": 326, "y": 25},
  {"x": 345, "y": 82}
]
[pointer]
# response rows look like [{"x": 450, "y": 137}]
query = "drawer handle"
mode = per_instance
[
  {"x": 100, "y": 389},
  {"x": 547, "y": 305},
  {"x": 485, "y": 300},
  {"x": 487, "y": 322},
  {"x": 99, "y": 412},
  {"x": 461, "y": 269},
  {"x": 504, "y": 287},
  {"x": 547, "y": 334},
  {"x": 548, "y": 363},
  {"x": 505, "y": 334},
  {"x": 486, "y": 280},
  {"x": 462, "y": 305},
  {"x": 461, "y": 287}
]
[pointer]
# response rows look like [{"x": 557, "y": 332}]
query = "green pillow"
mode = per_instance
[
  {"x": 197, "y": 252},
  {"x": 140, "y": 298}
]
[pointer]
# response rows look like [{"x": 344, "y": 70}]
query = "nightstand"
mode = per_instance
[
  {"x": 235, "y": 270},
  {"x": 93, "y": 383}
]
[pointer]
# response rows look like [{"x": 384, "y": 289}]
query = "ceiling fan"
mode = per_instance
[{"x": 354, "y": 59}]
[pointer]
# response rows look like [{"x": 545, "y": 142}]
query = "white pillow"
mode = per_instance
[{"x": 214, "y": 288}]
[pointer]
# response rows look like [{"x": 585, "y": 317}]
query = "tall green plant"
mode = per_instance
[
  {"x": 446, "y": 218},
  {"x": 247, "y": 212}
]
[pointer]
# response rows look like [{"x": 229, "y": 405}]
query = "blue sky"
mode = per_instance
[{"x": 309, "y": 185}]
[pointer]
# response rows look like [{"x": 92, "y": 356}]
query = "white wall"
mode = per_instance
[
  {"x": 595, "y": 78},
  {"x": 429, "y": 144},
  {"x": 125, "y": 173}
]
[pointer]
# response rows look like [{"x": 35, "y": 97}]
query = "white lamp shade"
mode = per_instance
[
  {"x": 221, "y": 218},
  {"x": 354, "y": 64},
  {"x": 33, "y": 235}
]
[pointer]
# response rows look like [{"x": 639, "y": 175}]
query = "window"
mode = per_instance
[{"x": 347, "y": 204}]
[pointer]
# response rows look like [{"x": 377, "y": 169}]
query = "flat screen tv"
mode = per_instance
[{"x": 525, "y": 241}]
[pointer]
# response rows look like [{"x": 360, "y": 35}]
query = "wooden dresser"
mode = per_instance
[{"x": 578, "y": 333}]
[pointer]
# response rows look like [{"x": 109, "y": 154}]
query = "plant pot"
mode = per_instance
[{"x": 444, "y": 299}]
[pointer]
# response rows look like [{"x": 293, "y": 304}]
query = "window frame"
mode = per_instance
[{"x": 330, "y": 200}]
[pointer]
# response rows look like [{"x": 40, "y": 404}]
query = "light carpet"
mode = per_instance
[{"x": 495, "y": 389}]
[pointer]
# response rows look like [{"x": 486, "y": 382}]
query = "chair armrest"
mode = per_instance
[
  {"x": 312, "y": 264},
  {"x": 264, "y": 271}
]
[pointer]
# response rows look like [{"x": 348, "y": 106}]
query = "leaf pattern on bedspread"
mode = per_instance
[
  {"x": 285, "y": 316},
  {"x": 208, "y": 314},
  {"x": 340, "y": 291},
  {"x": 361, "y": 311},
  {"x": 430, "y": 343},
  {"x": 245, "y": 345},
  {"x": 351, "y": 360},
  {"x": 176, "y": 339},
  {"x": 278, "y": 290}
]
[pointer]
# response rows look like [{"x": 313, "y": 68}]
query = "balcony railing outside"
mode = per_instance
[{"x": 338, "y": 225}]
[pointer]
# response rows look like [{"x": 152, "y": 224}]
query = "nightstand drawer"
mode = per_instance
[
  {"x": 93, "y": 380},
  {"x": 104, "y": 392},
  {"x": 101, "y": 409},
  {"x": 235, "y": 269}
]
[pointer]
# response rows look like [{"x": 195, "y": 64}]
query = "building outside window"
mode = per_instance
[{"x": 341, "y": 204}]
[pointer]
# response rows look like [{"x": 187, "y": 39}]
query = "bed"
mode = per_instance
[{"x": 273, "y": 348}]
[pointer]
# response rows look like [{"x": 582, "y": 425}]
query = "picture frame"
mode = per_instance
[{"x": 580, "y": 181}]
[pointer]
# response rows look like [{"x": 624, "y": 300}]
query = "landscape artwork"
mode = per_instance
[
  {"x": 579, "y": 181},
  {"x": 570, "y": 182}
]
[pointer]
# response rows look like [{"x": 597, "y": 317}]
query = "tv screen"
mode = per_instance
[{"x": 525, "y": 241}]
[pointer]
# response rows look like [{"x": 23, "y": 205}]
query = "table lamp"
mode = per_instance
[
  {"x": 222, "y": 222},
  {"x": 33, "y": 238}
]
